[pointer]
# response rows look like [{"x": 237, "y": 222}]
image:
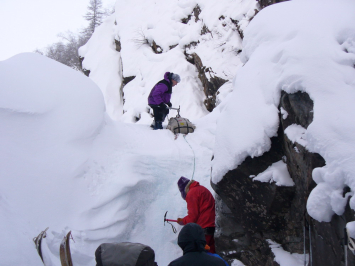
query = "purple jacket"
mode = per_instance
[{"x": 161, "y": 92}]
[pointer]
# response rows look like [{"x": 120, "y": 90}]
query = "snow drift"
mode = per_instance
[
  {"x": 50, "y": 115},
  {"x": 67, "y": 166}
]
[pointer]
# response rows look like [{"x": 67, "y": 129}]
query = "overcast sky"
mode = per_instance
[{"x": 26, "y": 25}]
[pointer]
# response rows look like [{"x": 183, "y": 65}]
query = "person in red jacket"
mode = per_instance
[{"x": 200, "y": 208}]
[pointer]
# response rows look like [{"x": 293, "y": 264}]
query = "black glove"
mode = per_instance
[
  {"x": 169, "y": 104},
  {"x": 163, "y": 105}
]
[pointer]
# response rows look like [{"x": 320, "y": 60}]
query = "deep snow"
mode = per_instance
[{"x": 68, "y": 165}]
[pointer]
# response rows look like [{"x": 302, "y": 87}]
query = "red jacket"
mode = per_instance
[{"x": 200, "y": 206}]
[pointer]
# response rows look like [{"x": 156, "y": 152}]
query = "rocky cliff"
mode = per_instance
[{"x": 250, "y": 213}]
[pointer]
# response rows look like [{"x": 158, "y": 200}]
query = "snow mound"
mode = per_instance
[{"x": 50, "y": 115}]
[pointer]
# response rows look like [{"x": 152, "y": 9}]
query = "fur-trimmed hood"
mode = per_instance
[{"x": 187, "y": 188}]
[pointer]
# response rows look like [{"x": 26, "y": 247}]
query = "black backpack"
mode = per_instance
[{"x": 124, "y": 254}]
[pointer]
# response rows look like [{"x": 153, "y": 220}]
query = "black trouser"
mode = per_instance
[{"x": 159, "y": 112}]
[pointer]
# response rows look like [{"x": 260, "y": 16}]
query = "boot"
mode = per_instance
[
  {"x": 158, "y": 125},
  {"x": 153, "y": 124}
]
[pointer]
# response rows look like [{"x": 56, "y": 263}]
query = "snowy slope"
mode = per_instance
[
  {"x": 160, "y": 22},
  {"x": 67, "y": 166}
]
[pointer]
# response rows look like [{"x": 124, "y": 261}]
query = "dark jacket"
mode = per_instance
[
  {"x": 161, "y": 92},
  {"x": 124, "y": 254},
  {"x": 200, "y": 205},
  {"x": 192, "y": 241}
]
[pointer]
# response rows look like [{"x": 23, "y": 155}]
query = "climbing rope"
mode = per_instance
[
  {"x": 350, "y": 241},
  {"x": 310, "y": 245},
  {"x": 193, "y": 173},
  {"x": 346, "y": 246},
  {"x": 305, "y": 223},
  {"x": 304, "y": 244}
]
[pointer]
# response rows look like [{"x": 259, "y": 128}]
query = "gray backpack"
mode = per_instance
[
  {"x": 180, "y": 125},
  {"x": 124, "y": 254}
]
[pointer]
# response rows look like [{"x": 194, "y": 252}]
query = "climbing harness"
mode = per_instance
[{"x": 169, "y": 222}]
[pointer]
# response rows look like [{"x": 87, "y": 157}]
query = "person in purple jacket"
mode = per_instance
[{"x": 159, "y": 98}]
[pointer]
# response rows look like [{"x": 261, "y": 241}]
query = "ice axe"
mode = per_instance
[
  {"x": 177, "y": 109},
  {"x": 169, "y": 222}
]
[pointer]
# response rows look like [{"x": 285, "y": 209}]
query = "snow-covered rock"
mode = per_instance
[{"x": 291, "y": 100}]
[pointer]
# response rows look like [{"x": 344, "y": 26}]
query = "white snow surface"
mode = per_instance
[
  {"x": 50, "y": 116},
  {"x": 295, "y": 133},
  {"x": 277, "y": 173},
  {"x": 237, "y": 263},
  {"x": 160, "y": 22},
  {"x": 105, "y": 66},
  {"x": 67, "y": 166},
  {"x": 299, "y": 45},
  {"x": 284, "y": 258},
  {"x": 284, "y": 113}
]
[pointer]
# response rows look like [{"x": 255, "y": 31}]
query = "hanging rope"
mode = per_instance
[
  {"x": 310, "y": 245},
  {"x": 304, "y": 242},
  {"x": 351, "y": 243},
  {"x": 193, "y": 173},
  {"x": 346, "y": 246},
  {"x": 306, "y": 224}
]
